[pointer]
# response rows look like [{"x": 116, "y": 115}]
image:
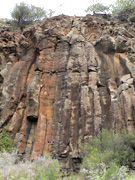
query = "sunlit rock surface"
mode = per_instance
[{"x": 64, "y": 79}]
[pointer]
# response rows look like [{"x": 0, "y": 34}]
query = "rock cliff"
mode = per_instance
[{"x": 64, "y": 79}]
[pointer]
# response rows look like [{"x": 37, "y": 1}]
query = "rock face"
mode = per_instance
[{"x": 63, "y": 80}]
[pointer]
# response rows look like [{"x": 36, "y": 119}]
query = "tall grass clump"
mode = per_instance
[{"x": 108, "y": 156}]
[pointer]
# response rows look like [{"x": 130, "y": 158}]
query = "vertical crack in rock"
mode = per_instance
[
  {"x": 1, "y": 96},
  {"x": 30, "y": 133}
]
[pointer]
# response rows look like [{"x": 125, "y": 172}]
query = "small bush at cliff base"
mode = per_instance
[
  {"x": 107, "y": 152},
  {"x": 51, "y": 171},
  {"x": 6, "y": 143},
  {"x": 103, "y": 172},
  {"x": 115, "y": 172}
]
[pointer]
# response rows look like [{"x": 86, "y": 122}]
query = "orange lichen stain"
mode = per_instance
[{"x": 43, "y": 135}]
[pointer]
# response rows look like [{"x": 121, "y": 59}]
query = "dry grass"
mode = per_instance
[{"x": 43, "y": 168}]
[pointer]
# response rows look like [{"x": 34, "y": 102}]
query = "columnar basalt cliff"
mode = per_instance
[{"x": 63, "y": 80}]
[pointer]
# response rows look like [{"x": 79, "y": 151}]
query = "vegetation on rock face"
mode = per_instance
[
  {"x": 6, "y": 143},
  {"x": 24, "y": 14}
]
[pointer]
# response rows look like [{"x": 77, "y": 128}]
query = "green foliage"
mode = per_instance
[
  {"x": 123, "y": 6},
  {"x": 133, "y": 13},
  {"x": 6, "y": 143},
  {"x": 108, "y": 154},
  {"x": 42, "y": 168},
  {"x": 50, "y": 172},
  {"x": 103, "y": 172},
  {"x": 114, "y": 172},
  {"x": 24, "y": 14},
  {"x": 19, "y": 176},
  {"x": 97, "y": 8},
  {"x": 108, "y": 147},
  {"x": 73, "y": 177}
]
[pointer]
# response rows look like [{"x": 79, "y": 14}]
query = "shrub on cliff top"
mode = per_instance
[
  {"x": 123, "y": 6},
  {"x": 97, "y": 8},
  {"x": 120, "y": 7},
  {"x": 24, "y": 14}
]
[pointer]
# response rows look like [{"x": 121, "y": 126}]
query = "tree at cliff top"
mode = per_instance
[
  {"x": 24, "y": 14},
  {"x": 123, "y": 6},
  {"x": 97, "y": 8}
]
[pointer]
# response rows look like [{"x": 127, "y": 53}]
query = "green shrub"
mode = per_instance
[
  {"x": 115, "y": 172},
  {"x": 108, "y": 147},
  {"x": 97, "y": 8},
  {"x": 19, "y": 176},
  {"x": 24, "y": 14},
  {"x": 6, "y": 143},
  {"x": 107, "y": 154},
  {"x": 50, "y": 171},
  {"x": 123, "y": 6},
  {"x": 73, "y": 177}
]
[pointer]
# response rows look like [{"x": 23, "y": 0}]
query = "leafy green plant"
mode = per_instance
[
  {"x": 24, "y": 14},
  {"x": 19, "y": 176},
  {"x": 108, "y": 146},
  {"x": 97, "y": 8},
  {"x": 73, "y": 177},
  {"x": 114, "y": 172},
  {"x": 107, "y": 153},
  {"x": 48, "y": 171},
  {"x": 123, "y": 6},
  {"x": 6, "y": 143}
]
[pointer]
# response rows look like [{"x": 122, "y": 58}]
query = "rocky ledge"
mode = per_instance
[{"x": 64, "y": 79}]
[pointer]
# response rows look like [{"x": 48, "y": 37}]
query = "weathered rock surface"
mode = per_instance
[{"x": 63, "y": 80}]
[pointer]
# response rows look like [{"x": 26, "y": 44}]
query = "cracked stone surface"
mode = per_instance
[{"x": 64, "y": 79}]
